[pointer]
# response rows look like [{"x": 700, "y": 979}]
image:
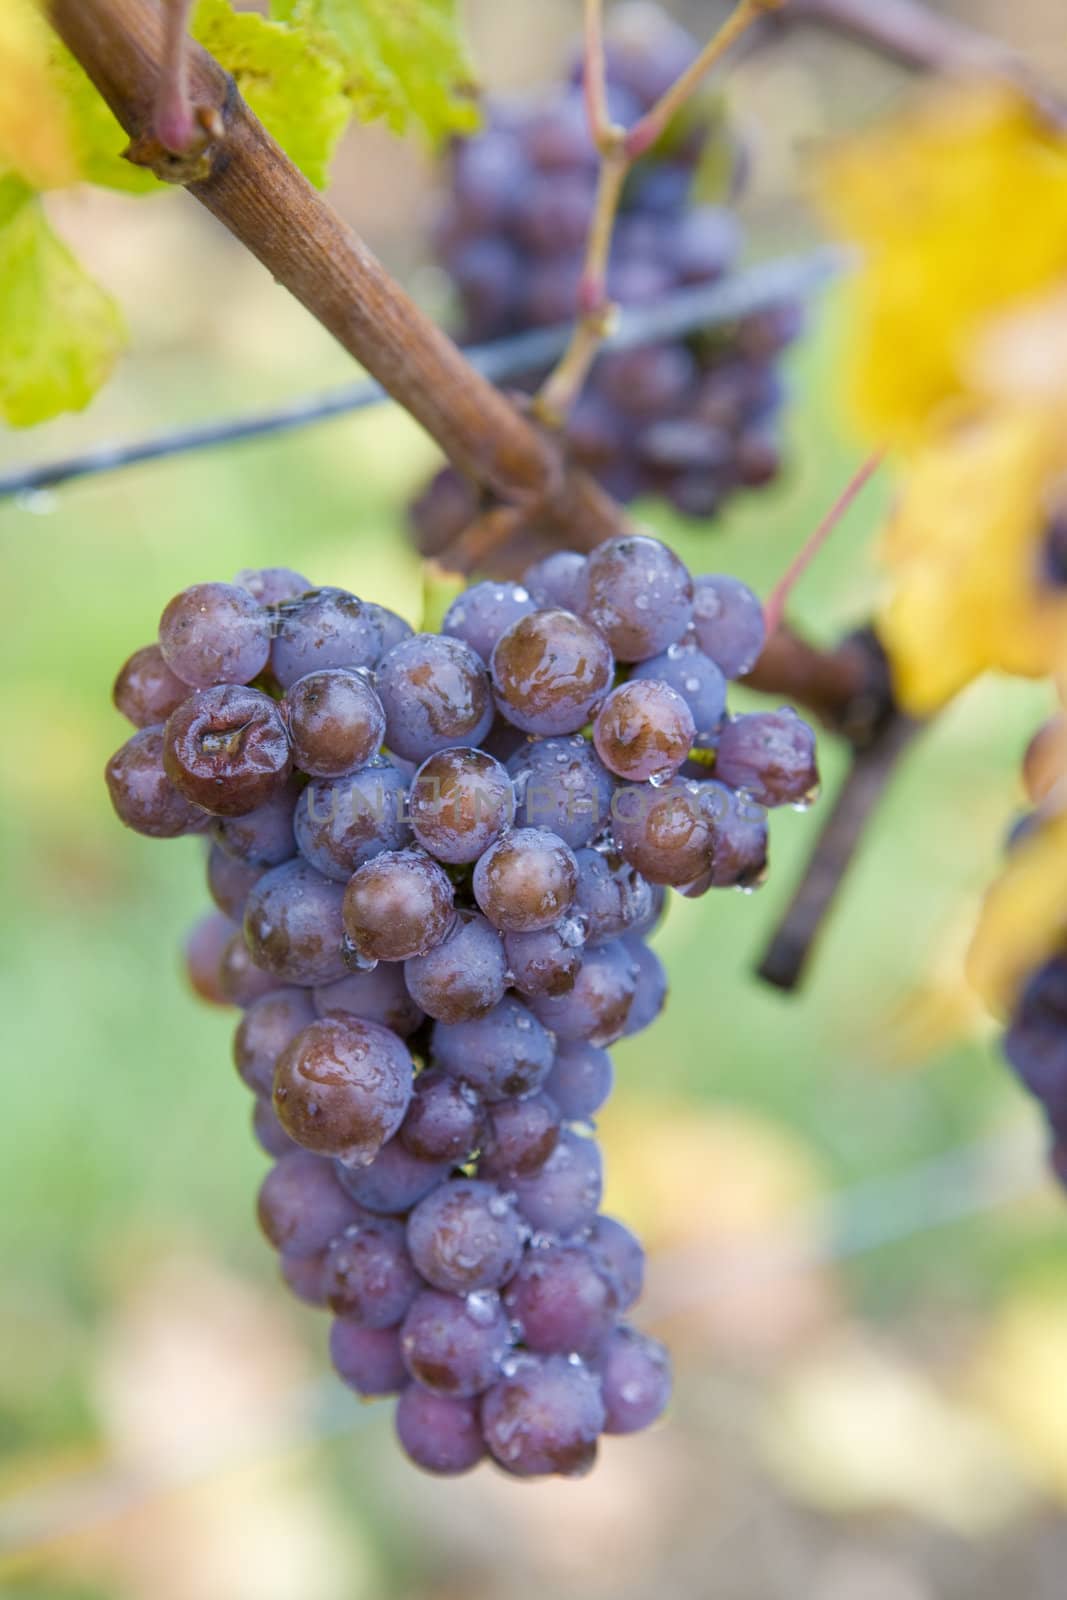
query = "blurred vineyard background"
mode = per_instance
[{"x": 858, "y": 1417}]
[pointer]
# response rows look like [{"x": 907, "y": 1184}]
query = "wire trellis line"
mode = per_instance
[{"x": 685, "y": 312}]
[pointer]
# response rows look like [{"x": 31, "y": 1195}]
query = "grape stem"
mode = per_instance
[
  {"x": 775, "y": 607},
  {"x": 619, "y": 148}
]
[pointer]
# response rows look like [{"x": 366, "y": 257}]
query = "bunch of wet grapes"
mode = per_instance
[
  {"x": 436, "y": 859},
  {"x": 1036, "y": 1039},
  {"x": 690, "y": 420}
]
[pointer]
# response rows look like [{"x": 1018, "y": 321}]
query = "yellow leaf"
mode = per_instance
[
  {"x": 36, "y": 134},
  {"x": 1024, "y": 916},
  {"x": 963, "y": 547},
  {"x": 960, "y": 209}
]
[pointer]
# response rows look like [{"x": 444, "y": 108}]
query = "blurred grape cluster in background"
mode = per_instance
[{"x": 855, "y": 1255}]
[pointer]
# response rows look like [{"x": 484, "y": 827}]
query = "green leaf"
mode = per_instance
[
  {"x": 99, "y": 139},
  {"x": 403, "y": 60},
  {"x": 293, "y": 84},
  {"x": 60, "y": 333}
]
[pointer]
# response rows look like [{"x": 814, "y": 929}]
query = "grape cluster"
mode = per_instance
[
  {"x": 433, "y": 892},
  {"x": 691, "y": 419},
  {"x": 1035, "y": 1042}
]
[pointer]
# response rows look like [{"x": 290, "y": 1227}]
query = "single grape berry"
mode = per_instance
[
  {"x": 230, "y": 882},
  {"x": 771, "y": 755},
  {"x": 562, "y": 785},
  {"x": 635, "y": 1377},
  {"x": 368, "y": 1360},
  {"x": 268, "y": 1027},
  {"x": 465, "y": 1235},
  {"x": 301, "y": 1205},
  {"x": 612, "y": 896},
  {"x": 438, "y": 1433},
  {"x": 215, "y": 633},
  {"x": 264, "y": 837},
  {"x": 520, "y": 1136},
  {"x": 142, "y": 793},
  {"x": 398, "y": 905},
  {"x": 377, "y": 994},
  {"x": 544, "y": 1417},
  {"x": 226, "y": 749},
  {"x": 650, "y": 994},
  {"x": 342, "y": 1086},
  {"x": 620, "y": 1253},
  {"x": 204, "y": 949},
  {"x": 146, "y": 690},
  {"x": 739, "y": 837},
  {"x": 336, "y": 722},
  {"x": 394, "y": 1181},
  {"x": 480, "y": 615},
  {"x": 546, "y": 961},
  {"x": 527, "y": 880},
  {"x": 559, "y": 580},
  {"x": 464, "y": 976},
  {"x": 505, "y": 1052},
  {"x": 562, "y": 1299},
  {"x": 550, "y": 672},
  {"x": 664, "y": 833},
  {"x": 597, "y": 1007},
  {"x": 272, "y": 585},
  {"x": 639, "y": 595},
  {"x": 368, "y": 1273},
  {"x": 340, "y": 823},
  {"x": 445, "y": 1120},
  {"x": 693, "y": 675},
  {"x": 454, "y": 1345},
  {"x": 435, "y": 692},
  {"x": 293, "y": 925},
  {"x": 240, "y": 980},
  {"x": 728, "y": 623},
  {"x": 324, "y": 628},
  {"x": 461, "y": 801},
  {"x": 581, "y": 1079},
  {"x": 564, "y": 1197}
]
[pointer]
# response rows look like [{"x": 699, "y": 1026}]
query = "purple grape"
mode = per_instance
[
  {"x": 650, "y": 995},
  {"x": 377, "y": 995},
  {"x": 204, "y": 949},
  {"x": 481, "y": 614},
  {"x": 526, "y": 880},
  {"x": 581, "y": 1079},
  {"x": 368, "y": 1274},
  {"x": 464, "y": 976},
  {"x": 336, "y": 722},
  {"x": 226, "y": 749},
  {"x": 293, "y": 925},
  {"x": 268, "y": 1027},
  {"x": 693, "y": 675},
  {"x": 301, "y": 1205},
  {"x": 263, "y": 837},
  {"x": 562, "y": 785},
  {"x": 544, "y": 1417},
  {"x": 550, "y": 671},
  {"x": 665, "y": 833},
  {"x": 341, "y": 823},
  {"x": 268, "y": 1131},
  {"x": 436, "y": 695},
  {"x": 506, "y": 1052},
  {"x": 215, "y": 633},
  {"x": 461, "y": 802},
  {"x": 143, "y": 795},
  {"x": 563, "y": 1198},
  {"x": 239, "y": 978},
  {"x": 621, "y": 1255},
  {"x": 635, "y": 1376},
  {"x": 728, "y": 623},
  {"x": 367, "y": 1359},
  {"x": 341, "y": 1088},
  {"x": 394, "y": 629},
  {"x": 771, "y": 755},
  {"x": 454, "y": 1346},
  {"x": 230, "y": 882},
  {"x": 648, "y": 382},
  {"x": 304, "y": 1276},
  {"x": 546, "y": 961},
  {"x": 394, "y": 1181},
  {"x": 612, "y": 896},
  {"x": 324, "y": 628},
  {"x": 489, "y": 175},
  {"x": 146, "y": 691},
  {"x": 439, "y": 1434},
  {"x": 272, "y": 585},
  {"x": 520, "y": 1137},
  {"x": 706, "y": 245},
  {"x": 464, "y": 1236},
  {"x": 558, "y": 580},
  {"x": 555, "y": 214},
  {"x": 398, "y": 905},
  {"x": 562, "y": 1300},
  {"x": 598, "y": 1006},
  {"x": 739, "y": 848},
  {"x": 640, "y": 596},
  {"x": 445, "y": 1121}
]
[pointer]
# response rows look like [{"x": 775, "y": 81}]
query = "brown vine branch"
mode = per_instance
[
  {"x": 872, "y": 768},
  {"x": 245, "y": 180}
]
